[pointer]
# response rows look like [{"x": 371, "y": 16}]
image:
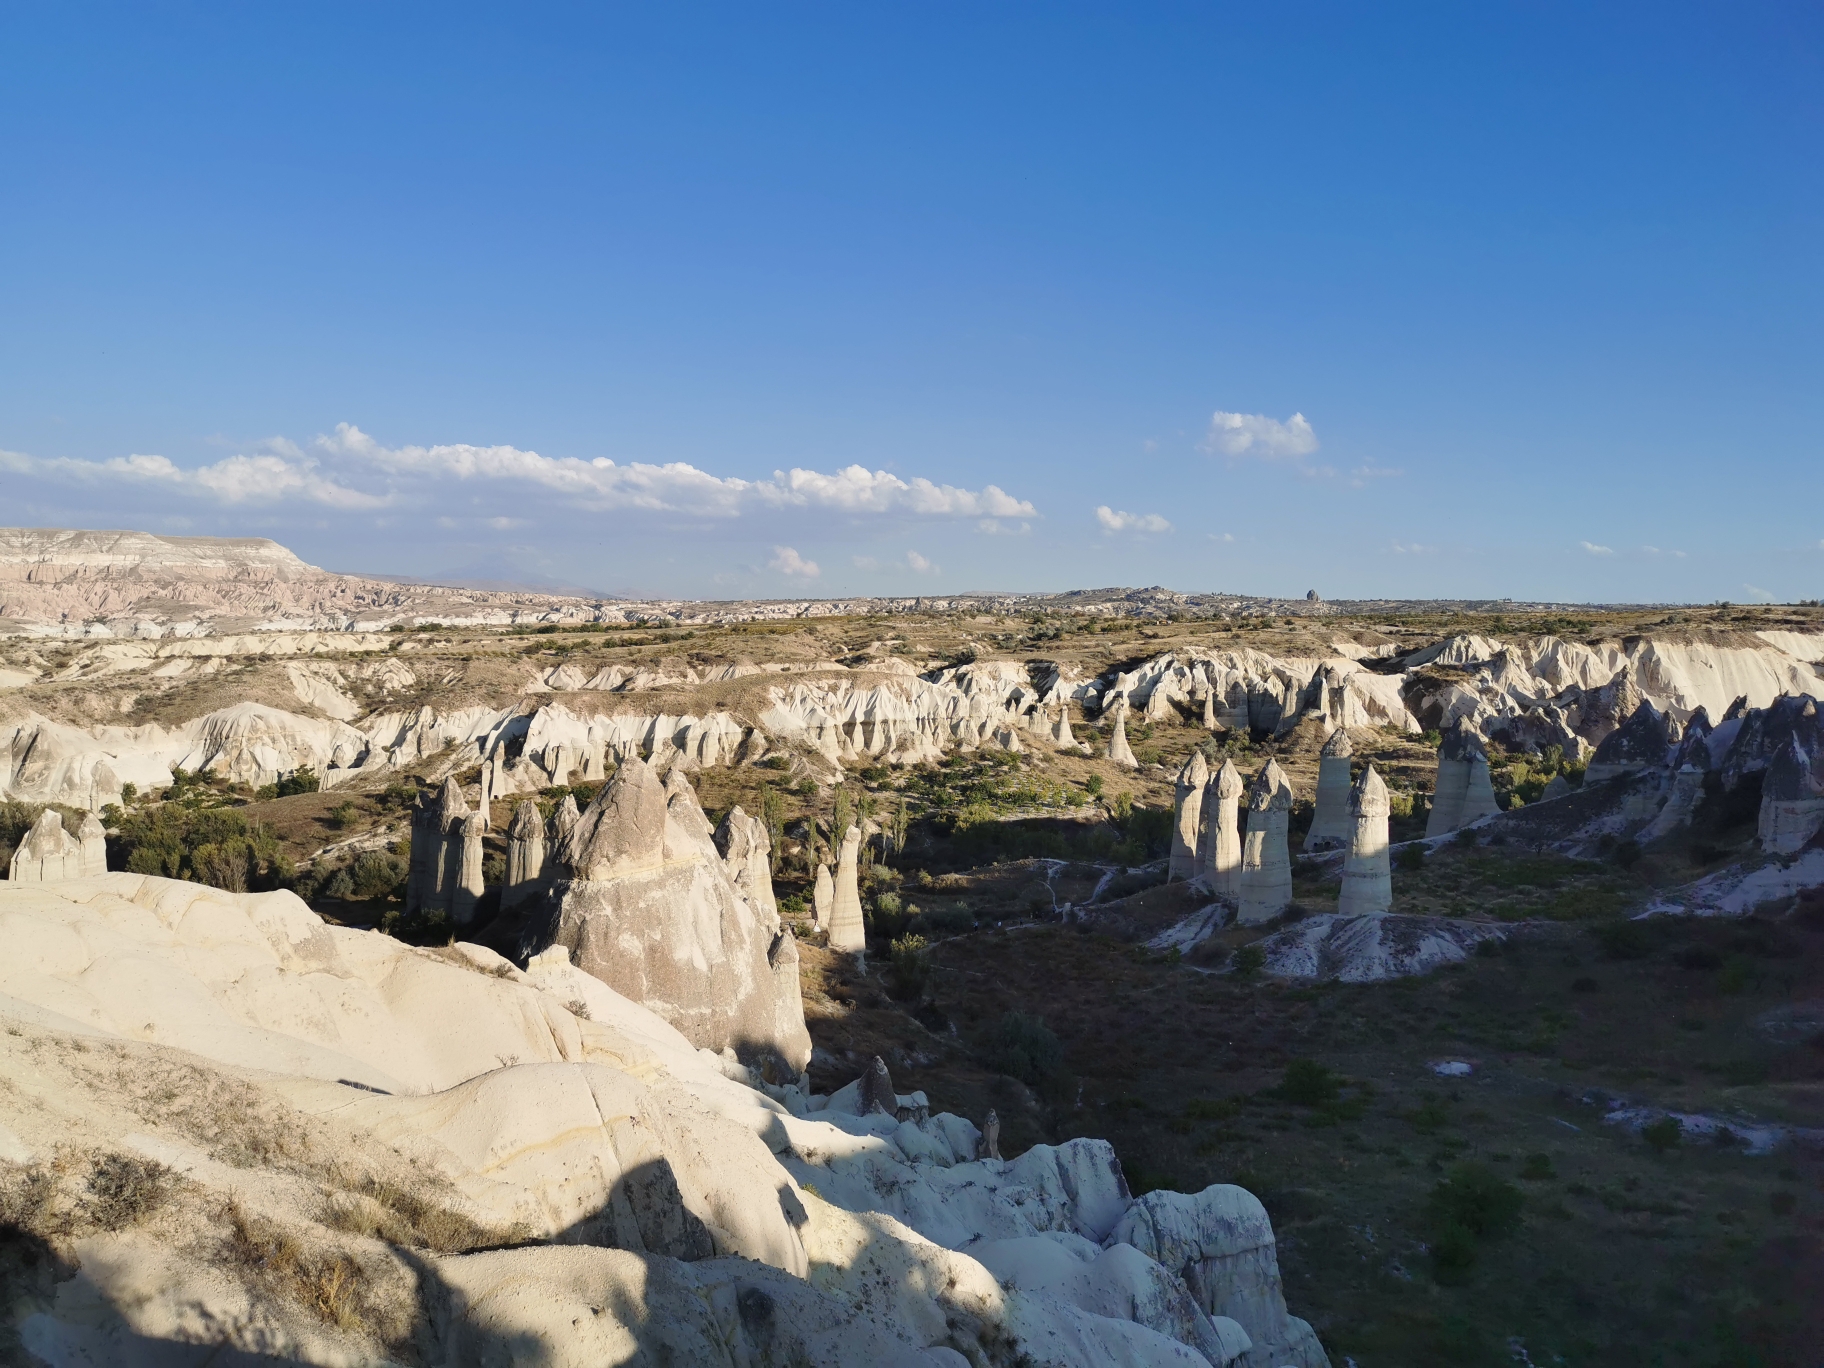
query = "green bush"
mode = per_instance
[
  {"x": 1308, "y": 1083},
  {"x": 1411, "y": 858},
  {"x": 344, "y": 815},
  {"x": 1025, "y": 1047},
  {"x": 302, "y": 780},
  {"x": 1479, "y": 1200},
  {"x": 215, "y": 846},
  {"x": 377, "y": 874},
  {"x": 1248, "y": 961},
  {"x": 1663, "y": 1134},
  {"x": 908, "y": 970},
  {"x": 1537, "y": 1168}
]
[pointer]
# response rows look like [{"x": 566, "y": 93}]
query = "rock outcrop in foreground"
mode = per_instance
[{"x": 250, "y": 1133}]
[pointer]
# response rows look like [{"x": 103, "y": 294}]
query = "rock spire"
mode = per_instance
[
  {"x": 847, "y": 929},
  {"x": 1221, "y": 849},
  {"x": 1118, "y": 749},
  {"x": 1187, "y": 822},
  {"x": 525, "y": 855},
  {"x": 823, "y": 898},
  {"x": 1367, "y": 880},
  {"x": 1266, "y": 864},
  {"x": 1331, "y": 825}
]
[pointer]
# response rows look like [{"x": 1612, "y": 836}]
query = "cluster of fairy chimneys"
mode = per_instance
[
  {"x": 1254, "y": 868},
  {"x": 446, "y": 870},
  {"x": 50, "y": 852}
]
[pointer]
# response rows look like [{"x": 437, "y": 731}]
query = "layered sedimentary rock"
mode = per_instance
[
  {"x": 525, "y": 856},
  {"x": 48, "y": 851},
  {"x": 1792, "y": 795},
  {"x": 847, "y": 929},
  {"x": 645, "y": 903},
  {"x": 1331, "y": 823},
  {"x": 1367, "y": 878},
  {"x": 1266, "y": 863},
  {"x": 1221, "y": 848},
  {"x": 1187, "y": 824}
]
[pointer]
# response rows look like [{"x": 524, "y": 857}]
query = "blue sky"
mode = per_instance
[{"x": 1422, "y": 300}]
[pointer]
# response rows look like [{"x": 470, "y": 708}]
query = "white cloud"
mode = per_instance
[
  {"x": 788, "y": 562},
  {"x": 261, "y": 479},
  {"x": 1222, "y": 536},
  {"x": 676, "y": 487},
  {"x": 1360, "y": 476},
  {"x": 1255, "y": 434},
  {"x": 866, "y": 563},
  {"x": 1409, "y": 549},
  {"x": 994, "y": 527},
  {"x": 1113, "y": 521},
  {"x": 918, "y": 565},
  {"x": 1758, "y": 594},
  {"x": 1596, "y": 550}
]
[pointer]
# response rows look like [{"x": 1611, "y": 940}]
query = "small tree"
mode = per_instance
[
  {"x": 1663, "y": 1134},
  {"x": 843, "y": 816},
  {"x": 772, "y": 817}
]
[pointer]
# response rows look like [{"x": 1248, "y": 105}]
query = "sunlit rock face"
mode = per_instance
[
  {"x": 644, "y": 901},
  {"x": 1187, "y": 817}
]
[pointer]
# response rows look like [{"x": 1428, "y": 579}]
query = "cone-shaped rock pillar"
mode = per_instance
[
  {"x": 847, "y": 929},
  {"x": 94, "y": 838},
  {"x": 466, "y": 887},
  {"x": 823, "y": 898},
  {"x": 1461, "y": 746},
  {"x": 1118, "y": 749},
  {"x": 525, "y": 855},
  {"x": 1221, "y": 849},
  {"x": 1188, "y": 817},
  {"x": 1478, "y": 793},
  {"x": 1266, "y": 863},
  {"x": 1331, "y": 825},
  {"x": 1367, "y": 880}
]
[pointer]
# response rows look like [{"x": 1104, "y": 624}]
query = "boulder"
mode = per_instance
[{"x": 48, "y": 851}]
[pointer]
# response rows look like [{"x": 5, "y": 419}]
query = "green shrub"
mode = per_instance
[
  {"x": 344, "y": 815},
  {"x": 1094, "y": 785},
  {"x": 1248, "y": 961},
  {"x": 1308, "y": 1083},
  {"x": 215, "y": 846},
  {"x": 1025, "y": 1047},
  {"x": 908, "y": 970},
  {"x": 1537, "y": 1168},
  {"x": 1663, "y": 1134},
  {"x": 301, "y": 780},
  {"x": 1411, "y": 858},
  {"x": 376, "y": 874},
  {"x": 1623, "y": 939},
  {"x": 1479, "y": 1200}
]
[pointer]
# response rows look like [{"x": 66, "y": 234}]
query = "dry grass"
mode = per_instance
[
  {"x": 79, "y": 1192},
  {"x": 379, "y": 1209},
  {"x": 332, "y": 1285}
]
